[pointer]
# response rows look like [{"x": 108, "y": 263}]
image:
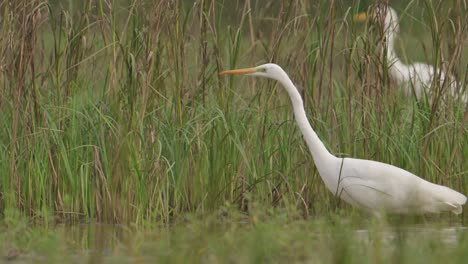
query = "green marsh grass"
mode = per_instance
[
  {"x": 119, "y": 141},
  {"x": 113, "y": 111}
]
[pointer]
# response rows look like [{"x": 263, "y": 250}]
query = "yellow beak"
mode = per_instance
[
  {"x": 239, "y": 71},
  {"x": 361, "y": 17}
]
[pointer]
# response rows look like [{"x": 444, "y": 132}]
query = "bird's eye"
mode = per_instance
[{"x": 262, "y": 70}]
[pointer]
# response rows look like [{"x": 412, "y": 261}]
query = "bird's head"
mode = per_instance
[
  {"x": 269, "y": 70},
  {"x": 382, "y": 14}
]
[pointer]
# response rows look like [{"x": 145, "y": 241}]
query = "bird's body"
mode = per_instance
[
  {"x": 367, "y": 184},
  {"x": 415, "y": 79},
  {"x": 373, "y": 185}
]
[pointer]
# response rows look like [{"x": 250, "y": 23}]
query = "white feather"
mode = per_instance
[{"x": 415, "y": 79}]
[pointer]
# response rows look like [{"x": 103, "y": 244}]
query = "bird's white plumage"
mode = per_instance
[
  {"x": 367, "y": 184},
  {"x": 416, "y": 79},
  {"x": 370, "y": 185}
]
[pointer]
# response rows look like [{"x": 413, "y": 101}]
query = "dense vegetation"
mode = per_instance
[{"x": 115, "y": 111}]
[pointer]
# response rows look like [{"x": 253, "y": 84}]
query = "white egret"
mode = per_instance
[
  {"x": 413, "y": 78},
  {"x": 367, "y": 184}
]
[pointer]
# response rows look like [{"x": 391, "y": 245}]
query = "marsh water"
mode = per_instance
[{"x": 270, "y": 241}]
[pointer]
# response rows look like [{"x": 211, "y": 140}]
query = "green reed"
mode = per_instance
[{"x": 115, "y": 111}]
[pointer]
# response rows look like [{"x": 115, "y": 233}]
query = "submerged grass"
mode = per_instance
[{"x": 114, "y": 110}]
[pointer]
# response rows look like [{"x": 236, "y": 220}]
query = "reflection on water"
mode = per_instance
[
  {"x": 446, "y": 235},
  {"x": 101, "y": 243},
  {"x": 98, "y": 242}
]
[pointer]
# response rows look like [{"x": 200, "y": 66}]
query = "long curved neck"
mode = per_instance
[
  {"x": 319, "y": 152},
  {"x": 398, "y": 69}
]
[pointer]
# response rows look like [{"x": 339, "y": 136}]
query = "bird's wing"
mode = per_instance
[
  {"x": 377, "y": 186},
  {"x": 374, "y": 185},
  {"x": 365, "y": 193}
]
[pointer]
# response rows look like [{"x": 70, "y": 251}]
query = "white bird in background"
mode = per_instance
[
  {"x": 367, "y": 184},
  {"x": 416, "y": 79}
]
